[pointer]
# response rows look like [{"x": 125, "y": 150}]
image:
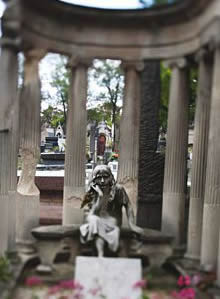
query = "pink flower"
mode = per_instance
[
  {"x": 188, "y": 293},
  {"x": 184, "y": 280},
  {"x": 33, "y": 281},
  {"x": 180, "y": 281},
  {"x": 140, "y": 284},
  {"x": 187, "y": 280},
  {"x": 185, "y": 293}
]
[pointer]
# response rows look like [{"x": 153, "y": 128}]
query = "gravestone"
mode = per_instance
[{"x": 108, "y": 277}]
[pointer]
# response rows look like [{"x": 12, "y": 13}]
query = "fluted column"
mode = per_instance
[
  {"x": 200, "y": 147},
  {"x": 176, "y": 149},
  {"x": 8, "y": 142},
  {"x": 129, "y": 130},
  {"x": 211, "y": 219},
  {"x": 75, "y": 155},
  {"x": 28, "y": 197}
]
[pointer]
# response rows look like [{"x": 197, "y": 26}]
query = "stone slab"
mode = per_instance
[{"x": 109, "y": 277}]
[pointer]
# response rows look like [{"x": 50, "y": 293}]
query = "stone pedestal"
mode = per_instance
[
  {"x": 200, "y": 147},
  {"x": 129, "y": 131},
  {"x": 211, "y": 219},
  {"x": 28, "y": 198},
  {"x": 75, "y": 155},
  {"x": 176, "y": 150}
]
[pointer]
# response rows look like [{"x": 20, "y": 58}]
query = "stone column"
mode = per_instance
[
  {"x": 211, "y": 219},
  {"x": 129, "y": 130},
  {"x": 200, "y": 146},
  {"x": 28, "y": 197},
  {"x": 75, "y": 155},
  {"x": 176, "y": 150},
  {"x": 151, "y": 163},
  {"x": 8, "y": 142}
]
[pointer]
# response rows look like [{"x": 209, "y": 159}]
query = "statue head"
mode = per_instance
[{"x": 102, "y": 176}]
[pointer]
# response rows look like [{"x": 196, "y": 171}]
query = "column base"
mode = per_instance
[
  {"x": 191, "y": 256},
  {"x": 210, "y": 236},
  {"x": 195, "y": 228},
  {"x": 72, "y": 214},
  {"x": 3, "y": 223},
  {"x": 173, "y": 216},
  {"x": 12, "y": 220},
  {"x": 27, "y": 216}
]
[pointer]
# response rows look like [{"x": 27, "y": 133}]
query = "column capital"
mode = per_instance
[
  {"x": 76, "y": 60},
  {"x": 214, "y": 42},
  {"x": 34, "y": 54},
  {"x": 201, "y": 54},
  {"x": 179, "y": 62},
  {"x": 138, "y": 65},
  {"x": 11, "y": 43}
]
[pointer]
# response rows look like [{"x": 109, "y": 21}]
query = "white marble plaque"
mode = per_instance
[{"x": 109, "y": 278}]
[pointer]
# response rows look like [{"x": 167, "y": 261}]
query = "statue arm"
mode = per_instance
[
  {"x": 130, "y": 214},
  {"x": 97, "y": 200}
]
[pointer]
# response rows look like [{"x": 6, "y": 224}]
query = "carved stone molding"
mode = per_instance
[
  {"x": 11, "y": 43},
  {"x": 138, "y": 65},
  {"x": 77, "y": 60},
  {"x": 179, "y": 62},
  {"x": 202, "y": 54}
]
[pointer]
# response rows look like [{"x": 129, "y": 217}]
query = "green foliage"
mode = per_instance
[
  {"x": 60, "y": 81},
  {"x": 103, "y": 112},
  {"x": 193, "y": 93},
  {"x": 165, "y": 75},
  {"x": 5, "y": 273},
  {"x": 53, "y": 117},
  {"x": 109, "y": 79}
]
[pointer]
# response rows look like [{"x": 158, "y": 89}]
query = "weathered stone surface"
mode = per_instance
[
  {"x": 8, "y": 145},
  {"x": 174, "y": 189},
  {"x": 129, "y": 131},
  {"x": 27, "y": 215},
  {"x": 74, "y": 179},
  {"x": 211, "y": 221},
  {"x": 135, "y": 34},
  {"x": 52, "y": 239},
  {"x": 107, "y": 276},
  {"x": 200, "y": 146}
]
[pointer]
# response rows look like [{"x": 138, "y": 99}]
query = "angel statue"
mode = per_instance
[{"x": 105, "y": 200}]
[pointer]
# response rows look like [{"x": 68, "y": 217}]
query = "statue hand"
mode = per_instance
[
  {"x": 97, "y": 189},
  {"x": 136, "y": 229}
]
